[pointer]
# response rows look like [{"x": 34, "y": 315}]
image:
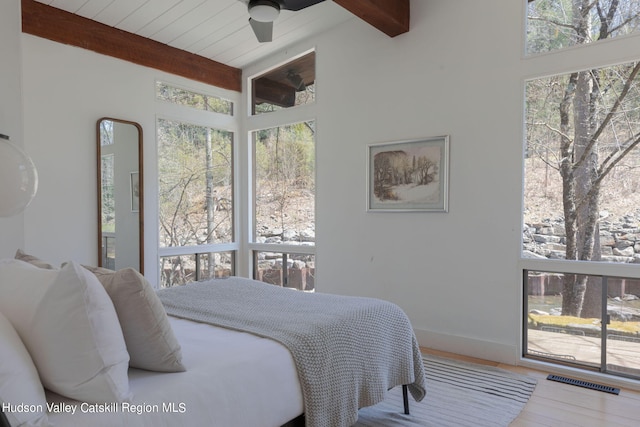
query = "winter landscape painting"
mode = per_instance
[{"x": 408, "y": 175}]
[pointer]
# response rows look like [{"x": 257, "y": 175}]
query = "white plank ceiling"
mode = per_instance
[{"x": 216, "y": 29}]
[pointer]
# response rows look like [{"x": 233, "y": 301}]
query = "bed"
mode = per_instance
[{"x": 218, "y": 371}]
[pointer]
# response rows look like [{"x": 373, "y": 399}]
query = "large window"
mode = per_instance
[
  {"x": 581, "y": 219},
  {"x": 201, "y": 192},
  {"x": 196, "y": 193},
  {"x": 582, "y": 165},
  {"x": 284, "y": 202},
  {"x": 283, "y": 184}
]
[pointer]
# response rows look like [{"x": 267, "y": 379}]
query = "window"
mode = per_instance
[
  {"x": 581, "y": 224},
  {"x": 194, "y": 267},
  {"x": 290, "y": 85},
  {"x": 192, "y": 99},
  {"x": 557, "y": 24},
  {"x": 196, "y": 196},
  {"x": 299, "y": 272},
  {"x": 603, "y": 340},
  {"x": 582, "y": 165},
  {"x": 284, "y": 202},
  {"x": 284, "y": 184},
  {"x": 108, "y": 210},
  {"x": 283, "y": 177}
]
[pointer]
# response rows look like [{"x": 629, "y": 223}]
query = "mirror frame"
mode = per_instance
[{"x": 141, "y": 194}]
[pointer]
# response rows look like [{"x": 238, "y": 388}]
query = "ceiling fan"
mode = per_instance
[{"x": 263, "y": 12}]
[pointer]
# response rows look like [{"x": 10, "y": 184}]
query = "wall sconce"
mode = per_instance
[{"x": 18, "y": 178}]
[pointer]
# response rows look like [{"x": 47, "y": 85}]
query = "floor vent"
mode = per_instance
[{"x": 585, "y": 384}]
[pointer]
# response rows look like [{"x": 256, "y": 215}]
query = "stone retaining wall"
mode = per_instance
[
  {"x": 619, "y": 239},
  {"x": 619, "y": 242}
]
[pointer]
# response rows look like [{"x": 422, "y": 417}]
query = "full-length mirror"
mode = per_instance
[{"x": 120, "y": 195}]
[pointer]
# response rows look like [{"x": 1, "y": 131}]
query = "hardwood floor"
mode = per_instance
[{"x": 561, "y": 405}]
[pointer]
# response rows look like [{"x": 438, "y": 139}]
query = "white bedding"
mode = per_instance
[{"x": 233, "y": 379}]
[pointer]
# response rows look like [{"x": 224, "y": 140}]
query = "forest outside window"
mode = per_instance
[
  {"x": 283, "y": 159},
  {"x": 284, "y": 183},
  {"x": 195, "y": 182},
  {"x": 558, "y": 24},
  {"x": 581, "y": 221}
]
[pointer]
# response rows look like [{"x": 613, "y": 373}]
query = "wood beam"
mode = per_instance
[
  {"x": 58, "y": 25},
  {"x": 389, "y": 16},
  {"x": 267, "y": 90}
]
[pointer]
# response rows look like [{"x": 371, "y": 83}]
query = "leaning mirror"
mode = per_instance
[{"x": 120, "y": 195}]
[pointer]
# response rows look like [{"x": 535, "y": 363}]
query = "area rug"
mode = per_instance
[{"x": 459, "y": 394}]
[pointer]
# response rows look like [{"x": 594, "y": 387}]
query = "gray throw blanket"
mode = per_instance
[{"x": 348, "y": 351}]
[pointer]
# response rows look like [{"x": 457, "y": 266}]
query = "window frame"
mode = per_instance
[
  {"x": 253, "y": 123},
  {"x": 609, "y": 52},
  {"x": 230, "y": 123}
]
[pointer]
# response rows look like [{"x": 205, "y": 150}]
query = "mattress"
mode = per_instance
[{"x": 233, "y": 379}]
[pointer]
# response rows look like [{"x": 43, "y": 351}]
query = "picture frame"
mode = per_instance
[
  {"x": 135, "y": 192},
  {"x": 408, "y": 176}
]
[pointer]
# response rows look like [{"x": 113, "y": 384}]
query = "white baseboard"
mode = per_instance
[{"x": 466, "y": 346}]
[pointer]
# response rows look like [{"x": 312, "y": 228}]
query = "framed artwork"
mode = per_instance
[
  {"x": 135, "y": 192},
  {"x": 408, "y": 176}
]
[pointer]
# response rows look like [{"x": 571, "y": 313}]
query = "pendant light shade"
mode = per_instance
[{"x": 18, "y": 179}]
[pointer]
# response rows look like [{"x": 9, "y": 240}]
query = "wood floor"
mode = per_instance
[{"x": 562, "y": 405}]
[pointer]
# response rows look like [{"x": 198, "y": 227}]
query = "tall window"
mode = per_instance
[
  {"x": 581, "y": 192},
  {"x": 283, "y": 235},
  {"x": 196, "y": 194}
]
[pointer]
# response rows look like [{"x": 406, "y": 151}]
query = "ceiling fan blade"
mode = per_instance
[
  {"x": 262, "y": 30},
  {"x": 298, "y": 4}
]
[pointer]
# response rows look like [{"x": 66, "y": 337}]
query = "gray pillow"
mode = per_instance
[
  {"x": 150, "y": 340},
  {"x": 33, "y": 260}
]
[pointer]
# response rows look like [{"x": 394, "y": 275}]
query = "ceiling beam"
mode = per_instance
[
  {"x": 58, "y": 25},
  {"x": 389, "y": 16},
  {"x": 276, "y": 93}
]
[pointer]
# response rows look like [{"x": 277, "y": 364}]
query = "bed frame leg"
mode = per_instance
[{"x": 405, "y": 399}]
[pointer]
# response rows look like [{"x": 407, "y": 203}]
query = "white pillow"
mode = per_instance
[
  {"x": 69, "y": 326},
  {"x": 20, "y": 387}
]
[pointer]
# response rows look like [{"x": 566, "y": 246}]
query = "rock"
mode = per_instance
[
  {"x": 288, "y": 235},
  {"x": 308, "y": 235},
  {"x": 533, "y": 255},
  {"x": 624, "y": 244},
  {"x": 626, "y": 252},
  {"x": 541, "y": 238}
]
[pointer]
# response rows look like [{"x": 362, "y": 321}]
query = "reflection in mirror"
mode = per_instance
[{"x": 120, "y": 195}]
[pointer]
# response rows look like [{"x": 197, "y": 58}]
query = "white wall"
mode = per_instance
[
  {"x": 455, "y": 73},
  {"x": 66, "y": 91},
  {"x": 11, "y": 229},
  {"x": 459, "y": 72}
]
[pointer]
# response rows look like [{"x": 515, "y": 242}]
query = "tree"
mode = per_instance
[
  {"x": 195, "y": 164},
  {"x": 284, "y": 173},
  {"x": 596, "y": 124}
]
